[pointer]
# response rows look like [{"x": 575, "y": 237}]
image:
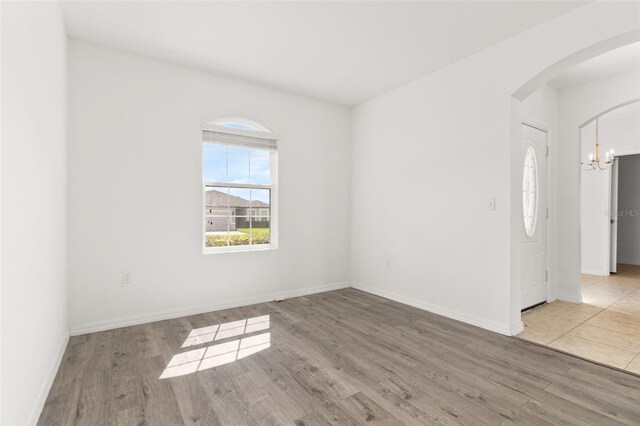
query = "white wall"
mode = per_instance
[
  {"x": 437, "y": 149},
  {"x": 577, "y": 105},
  {"x": 135, "y": 191},
  {"x": 34, "y": 205},
  {"x": 629, "y": 206}
]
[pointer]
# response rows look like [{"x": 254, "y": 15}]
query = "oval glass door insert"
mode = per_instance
[{"x": 530, "y": 192}]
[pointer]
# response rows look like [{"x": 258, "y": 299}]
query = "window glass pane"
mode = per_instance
[
  {"x": 260, "y": 235},
  {"x": 239, "y": 231},
  {"x": 216, "y": 217},
  {"x": 237, "y": 168},
  {"x": 260, "y": 152},
  {"x": 233, "y": 149},
  {"x": 260, "y": 198},
  {"x": 260, "y": 169},
  {"x": 217, "y": 231},
  {"x": 260, "y": 216},
  {"x": 239, "y": 199},
  {"x": 216, "y": 199},
  {"x": 236, "y": 125},
  {"x": 242, "y": 224},
  {"x": 214, "y": 164},
  {"x": 215, "y": 147}
]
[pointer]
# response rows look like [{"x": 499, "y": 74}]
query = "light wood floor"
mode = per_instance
[
  {"x": 604, "y": 328},
  {"x": 341, "y": 357}
]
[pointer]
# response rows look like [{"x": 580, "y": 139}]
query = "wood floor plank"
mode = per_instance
[
  {"x": 341, "y": 357},
  {"x": 367, "y": 411}
]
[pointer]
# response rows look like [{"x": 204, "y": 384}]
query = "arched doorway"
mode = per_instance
[{"x": 567, "y": 271}]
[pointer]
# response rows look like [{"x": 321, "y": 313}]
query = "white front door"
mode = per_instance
[
  {"x": 613, "y": 216},
  {"x": 533, "y": 233}
]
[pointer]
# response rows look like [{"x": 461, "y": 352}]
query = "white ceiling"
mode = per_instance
[
  {"x": 622, "y": 60},
  {"x": 345, "y": 52}
]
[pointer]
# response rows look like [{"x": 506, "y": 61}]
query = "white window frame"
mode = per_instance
[{"x": 273, "y": 187}]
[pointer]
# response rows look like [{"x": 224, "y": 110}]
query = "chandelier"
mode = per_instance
[{"x": 594, "y": 162}]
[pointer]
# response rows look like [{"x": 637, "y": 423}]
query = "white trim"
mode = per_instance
[
  {"x": 94, "y": 326},
  {"x": 46, "y": 387},
  {"x": 439, "y": 310},
  {"x": 516, "y": 328},
  {"x": 208, "y": 184},
  {"x": 571, "y": 298},
  {"x": 239, "y": 132},
  {"x": 599, "y": 272},
  {"x": 625, "y": 153},
  {"x": 261, "y": 130},
  {"x": 239, "y": 249}
]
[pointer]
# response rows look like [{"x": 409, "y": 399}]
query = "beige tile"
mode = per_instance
[
  {"x": 539, "y": 335},
  {"x": 605, "y": 328},
  {"x": 629, "y": 305},
  {"x": 564, "y": 311},
  {"x": 616, "y": 339},
  {"x": 593, "y": 350},
  {"x": 616, "y": 321},
  {"x": 635, "y": 296},
  {"x": 630, "y": 280},
  {"x": 590, "y": 279},
  {"x": 605, "y": 294},
  {"x": 548, "y": 322},
  {"x": 634, "y": 366}
]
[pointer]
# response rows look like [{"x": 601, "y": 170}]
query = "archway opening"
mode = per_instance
[
  {"x": 572, "y": 324},
  {"x": 563, "y": 218}
]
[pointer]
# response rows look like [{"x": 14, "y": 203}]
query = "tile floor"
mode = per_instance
[{"x": 604, "y": 328}]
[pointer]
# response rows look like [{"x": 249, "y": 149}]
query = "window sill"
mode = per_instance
[{"x": 238, "y": 249}]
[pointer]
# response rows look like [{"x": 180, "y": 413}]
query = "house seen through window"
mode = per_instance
[{"x": 239, "y": 173}]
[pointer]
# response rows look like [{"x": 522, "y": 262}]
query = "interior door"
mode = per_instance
[
  {"x": 533, "y": 234},
  {"x": 613, "y": 264}
]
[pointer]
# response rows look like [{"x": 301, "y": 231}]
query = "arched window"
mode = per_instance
[
  {"x": 239, "y": 170},
  {"x": 239, "y": 124}
]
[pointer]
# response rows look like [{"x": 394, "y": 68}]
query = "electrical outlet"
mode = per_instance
[
  {"x": 388, "y": 263},
  {"x": 491, "y": 204},
  {"x": 126, "y": 277}
]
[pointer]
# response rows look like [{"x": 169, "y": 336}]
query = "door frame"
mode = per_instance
[
  {"x": 613, "y": 222},
  {"x": 543, "y": 127},
  {"x": 609, "y": 197}
]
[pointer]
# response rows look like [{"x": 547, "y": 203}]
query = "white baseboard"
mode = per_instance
[
  {"x": 46, "y": 387},
  {"x": 516, "y": 328},
  {"x": 449, "y": 313},
  {"x": 571, "y": 298},
  {"x": 110, "y": 324},
  {"x": 598, "y": 272}
]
